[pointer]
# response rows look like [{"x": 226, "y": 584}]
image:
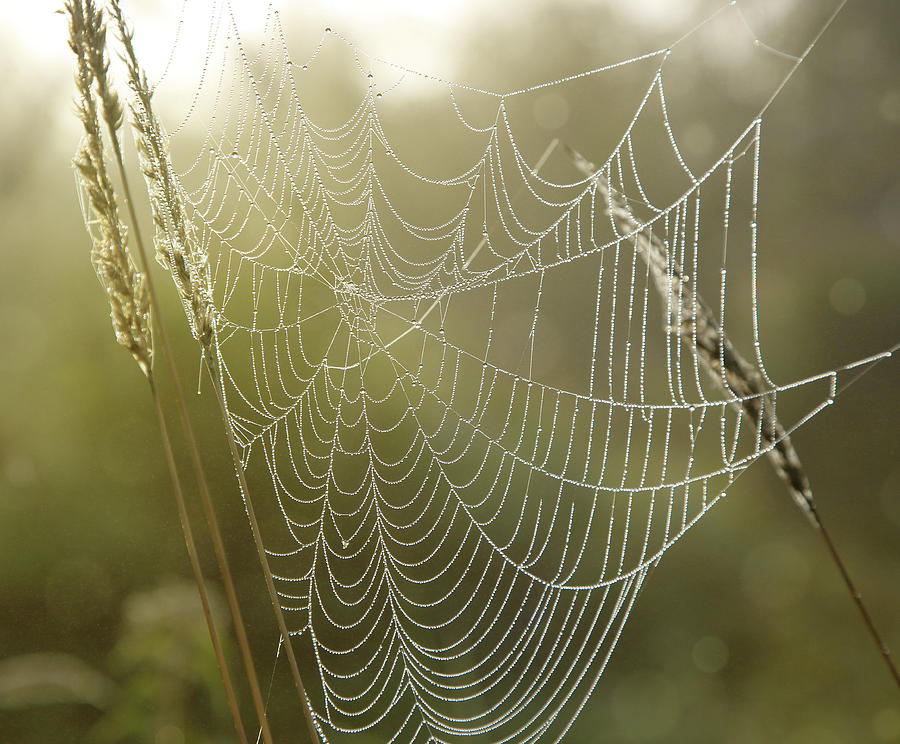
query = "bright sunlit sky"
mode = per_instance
[
  {"x": 410, "y": 31},
  {"x": 417, "y": 34},
  {"x": 424, "y": 36}
]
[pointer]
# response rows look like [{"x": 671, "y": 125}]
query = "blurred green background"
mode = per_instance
[{"x": 743, "y": 634}]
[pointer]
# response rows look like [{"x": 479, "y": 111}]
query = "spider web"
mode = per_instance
[{"x": 481, "y": 424}]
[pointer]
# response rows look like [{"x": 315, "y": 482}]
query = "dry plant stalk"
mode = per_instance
[
  {"x": 95, "y": 55},
  {"x": 176, "y": 245},
  {"x": 177, "y": 250},
  {"x": 696, "y": 326},
  {"x": 129, "y": 292}
]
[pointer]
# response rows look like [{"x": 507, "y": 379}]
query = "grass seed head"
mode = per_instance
[
  {"x": 177, "y": 246},
  {"x": 125, "y": 286}
]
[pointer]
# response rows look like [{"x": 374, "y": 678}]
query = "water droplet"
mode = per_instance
[
  {"x": 370, "y": 76},
  {"x": 304, "y": 68},
  {"x": 378, "y": 95},
  {"x": 327, "y": 29},
  {"x": 235, "y": 154}
]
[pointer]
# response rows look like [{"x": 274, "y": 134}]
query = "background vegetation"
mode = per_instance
[{"x": 743, "y": 634}]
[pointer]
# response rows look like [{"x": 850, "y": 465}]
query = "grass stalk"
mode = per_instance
[
  {"x": 264, "y": 562},
  {"x": 219, "y": 549},
  {"x": 695, "y": 325},
  {"x": 200, "y": 474},
  {"x": 92, "y": 44},
  {"x": 177, "y": 252},
  {"x": 129, "y": 291},
  {"x": 195, "y": 563}
]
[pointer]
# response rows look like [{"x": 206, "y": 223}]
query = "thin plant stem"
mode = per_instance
[
  {"x": 699, "y": 331},
  {"x": 883, "y": 649},
  {"x": 96, "y": 54},
  {"x": 195, "y": 561},
  {"x": 189, "y": 278},
  {"x": 200, "y": 474},
  {"x": 261, "y": 553},
  {"x": 127, "y": 290}
]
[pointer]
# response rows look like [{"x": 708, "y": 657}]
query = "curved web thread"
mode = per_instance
[{"x": 469, "y": 391}]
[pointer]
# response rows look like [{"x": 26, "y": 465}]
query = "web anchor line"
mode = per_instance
[{"x": 724, "y": 364}]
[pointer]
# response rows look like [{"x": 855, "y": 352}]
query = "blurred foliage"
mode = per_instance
[
  {"x": 743, "y": 634},
  {"x": 162, "y": 683},
  {"x": 170, "y": 690}
]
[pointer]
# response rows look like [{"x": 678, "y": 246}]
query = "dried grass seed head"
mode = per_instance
[
  {"x": 177, "y": 247},
  {"x": 125, "y": 286}
]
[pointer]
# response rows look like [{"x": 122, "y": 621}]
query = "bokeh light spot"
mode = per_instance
[
  {"x": 847, "y": 296},
  {"x": 710, "y": 654}
]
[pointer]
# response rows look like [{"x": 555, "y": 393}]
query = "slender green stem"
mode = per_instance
[
  {"x": 206, "y": 499},
  {"x": 195, "y": 562},
  {"x": 261, "y": 552},
  {"x": 729, "y": 370},
  {"x": 212, "y": 521},
  {"x": 131, "y": 298},
  {"x": 883, "y": 649}
]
